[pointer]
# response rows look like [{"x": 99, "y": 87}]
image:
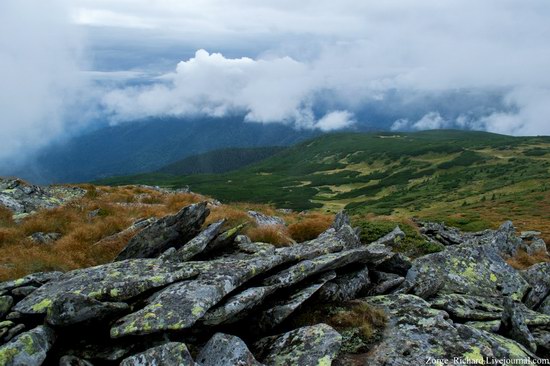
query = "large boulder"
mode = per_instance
[
  {"x": 265, "y": 220},
  {"x": 29, "y": 348},
  {"x": 346, "y": 286},
  {"x": 476, "y": 270},
  {"x": 226, "y": 350},
  {"x": 170, "y": 231},
  {"x": 116, "y": 282},
  {"x": 313, "y": 345},
  {"x": 168, "y": 354},
  {"x": 538, "y": 277},
  {"x": 198, "y": 243}
]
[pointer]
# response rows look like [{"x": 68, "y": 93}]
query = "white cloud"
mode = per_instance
[
  {"x": 39, "y": 73},
  {"x": 335, "y": 120}
]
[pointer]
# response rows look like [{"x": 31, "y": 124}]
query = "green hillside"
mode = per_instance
[
  {"x": 220, "y": 161},
  {"x": 439, "y": 173}
]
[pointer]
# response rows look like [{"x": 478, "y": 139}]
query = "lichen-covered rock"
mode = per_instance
[
  {"x": 23, "y": 291},
  {"x": 468, "y": 307},
  {"x": 170, "y": 231},
  {"x": 514, "y": 326},
  {"x": 397, "y": 263},
  {"x": 6, "y": 302},
  {"x": 226, "y": 350},
  {"x": 265, "y": 220},
  {"x": 223, "y": 240},
  {"x": 28, "y": 349},
  {"x": 71, "y": 309},
  {"x": 13, "y": 331},
  {"x": 346, "y": 286},
  {"x": 198, "y": 243},
  {"x": 44, "y": 238},
  {"x": 116, "y": 282},
  {"x": 392, "y": 238},
  {"x": 283, "y": 308},
  {"x": 312, "y": 345},
  {"x": 168, "y": 354},
  {"x": 415, "y": 333},
  {"x": 35, "y": 279},
  {"x": 441, "y": 233},
  {"x": 384, "y": 283},
  {"x": 73, "y": 361},
  {"x": 538, "y": 277},
  {"x": 476, "y": 270}
]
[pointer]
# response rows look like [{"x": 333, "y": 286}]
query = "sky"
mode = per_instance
[{"x": 423, "y": 64}]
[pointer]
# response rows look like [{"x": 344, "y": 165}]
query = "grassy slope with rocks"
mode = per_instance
[{"x": 472, "y": 180}]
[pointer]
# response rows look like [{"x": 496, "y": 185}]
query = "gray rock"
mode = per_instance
[
  {"x": 28, "y": 349},
  {"x": 340, "y": 220},
  {"x": 397, "y": 263},
  {"x": 469, "y": 307},
  {"x": 464, "y": 269},
  {"x": 35, "y": 279},
  {"x": 6, "y": 302},
  {"x": 72, "y": 309},
  {"x": 491, "y": 326},
  {"x": 529, "y": 235},
  {"x": 73, "y": 361},
  {"x": 168, "y": 354},
  {"x": 538, "y": 277},
  {"x": 440, "y": 233},
  {"x": 170, "y": 231},
  {"x": 116, "y": 282},
  {"x": 314, "y": 345},
  {"x": 384, "y": 283},
  {"x": 223, "y": 240},
  {"x": 415, "y": 332},
  {"x": 44, "y": 238},
  {"x": 198, "y": 243},
  {"x": 513, "y": 325},
  {"x": 534, "y": 246},
  {"x": 242, "y": 239},
  {"x": 226, "y": 350},
  {"x": 346, "y": 286},
  {"x": 14, "y": 315},
  {"x": 264, "y": 220},
  {"x": 23, "y": 291},
  {"x": 12, "y": 332},
  {"x": 6, "y": 324},
  {"x": 284, "y": 308},
  {"x": 392, "y": 238}
]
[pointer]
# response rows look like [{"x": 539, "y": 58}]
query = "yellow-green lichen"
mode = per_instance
[
  {"x": 493, "y": 277},
  {"x": 197, "y": 310},
  {"x": 42, "y": 305},
  {"x": 474, "y": 356},
  {"x": 325, "y": 361}
]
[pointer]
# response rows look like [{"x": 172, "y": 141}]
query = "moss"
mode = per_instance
[
  {"x": 28, "y": 344},
  {"x": 42, "y": 305},
  {"x": 7, "y": 355}
]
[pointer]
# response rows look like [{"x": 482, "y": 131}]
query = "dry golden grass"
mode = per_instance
[
  {"x": 362, "y": 316},
  {"x": 523, "y": 260},
  {"x": 310, "y": 226},
  {"x": 273, "y": 234}
]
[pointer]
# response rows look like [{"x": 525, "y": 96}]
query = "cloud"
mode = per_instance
[
  {"x": 265, "y": 90},
  {"x": 430, "y": 121},
  {"x": 39, "y": 73}
]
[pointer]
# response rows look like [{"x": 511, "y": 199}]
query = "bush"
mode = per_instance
[
  {"x": 523, "y": 260},
  {"x": 274, "y": 234},
  {"x": 309, "y": 228}
]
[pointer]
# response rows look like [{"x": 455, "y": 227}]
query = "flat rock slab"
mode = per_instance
[
  {"x": 226, "y": 350},
  {"x": 314, "y": 345},
  {"x": 29, "y": 348},
  {"x": 169, "y": 354},
  {"x": 116, "y": 282}
]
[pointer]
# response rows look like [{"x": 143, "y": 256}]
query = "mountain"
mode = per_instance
[
  {"x": 446, "y": 173},
  {"x": 149, "y": 145},
  {"x": 220, "y": 161}
]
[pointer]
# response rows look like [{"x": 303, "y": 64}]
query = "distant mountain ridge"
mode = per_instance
[{"x": 149, "y": 145}]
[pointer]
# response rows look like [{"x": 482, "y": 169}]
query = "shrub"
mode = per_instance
[
  {"x": 309, "y": 228},
  {"x": 274, "y": 234},
  {"x": 523, "y": 260},
  {"x": 362, "y": 316}
]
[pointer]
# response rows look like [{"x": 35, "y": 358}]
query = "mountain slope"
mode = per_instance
[
  {"x": 220, "y": 161},
  {"x": 430, "y": 173},
  {"x": 146, "y": 146}
]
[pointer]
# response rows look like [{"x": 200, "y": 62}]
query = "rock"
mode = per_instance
[
  {"x": 23, "y": 291},
  {"x": 255, "y": 248},
  {"x": 313, "y": 345},
  {"x": 442, "y": 234},
  {"x": 72, "y": 309},
  {"x": 29, "y": 348},
  {"x": 35, "y": 279},
  {"x": 464, "y": 269},
  {"x": 12, "y": 332},
  {"x": 383, "y": 283},
  {"x": 340, "y": 220},
  {"x": 416, "y": 333},
  {"x": 491, "y": 326},
  {"x": 14, "y": 315},
  {"x": 392, "y": 238},
  {"x": 44, "y": 238},
  {"x": 397, "y": 263},
  {"x": 346, "y": 286},
  {"x": 468, "y": 307},
  {"x": 170, "y": 231},
  {"x": 284, "y": 308},
  {"x": 6, "y": 302},
  {"x": 118, "y": 281},
  {"x": 534, "y": 246},
  {"x": 104, "y": 353},
  {"x": 514, "y": 326},
  {"x": 198, "y": 243},
  {"x": 242, "y": 239},
  {"x": 224, "y": 240},
  {"x": 538, "y": 277},
  {"x": 168, "y": 354},
  {"x": 264, "y": 220},
  {"x": 6, "y": 324},
  {"x": 529, "y": 235},
  {"x": 73, "y": 361},
  {"x": 226, "y": 350}
]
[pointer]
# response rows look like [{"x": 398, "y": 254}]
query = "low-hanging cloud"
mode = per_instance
[
  {"x": 265, "y": 90},
  {"x": 39, "y": 75}
]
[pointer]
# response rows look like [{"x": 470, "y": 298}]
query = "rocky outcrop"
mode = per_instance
[
  {"x": 264, "y": 220},
  {"x": 23, "y": 198},
  {"x": 211, "y": 297}
]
